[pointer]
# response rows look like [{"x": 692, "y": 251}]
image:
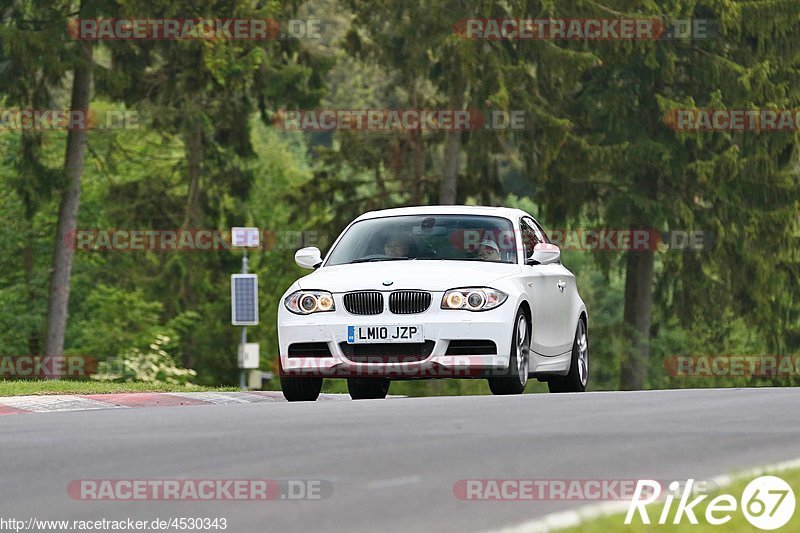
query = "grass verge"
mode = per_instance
[{"x": 66, "y": 386}]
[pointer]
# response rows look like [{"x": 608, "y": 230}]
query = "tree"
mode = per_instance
[
  {"x": 203, "y": 95},
  {"x": 638, "y": 173},
  {"x": 34, "y": 29},
  {"x": 68, "y": 212}
]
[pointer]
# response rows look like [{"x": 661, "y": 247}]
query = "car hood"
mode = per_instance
[{"x": 423, "y": 275}]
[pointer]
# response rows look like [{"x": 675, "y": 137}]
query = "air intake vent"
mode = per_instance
[
  {"x": 409, "y": 302},
  {"x": 309, "y": 349},
  {"x": 471, "y": 347},
  {"x": 364, "y": 302}
]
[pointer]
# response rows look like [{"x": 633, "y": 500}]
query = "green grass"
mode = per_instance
[
  {"x": 737, "y": 524},
  {"x": 65, "y": 386}
]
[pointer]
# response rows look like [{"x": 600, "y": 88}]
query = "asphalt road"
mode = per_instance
[{"x": 391, "y": 464}]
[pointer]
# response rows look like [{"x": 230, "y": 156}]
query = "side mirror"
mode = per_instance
[
  {"x": 544, "y": 254},
  {"x": 308, "y": 257}
]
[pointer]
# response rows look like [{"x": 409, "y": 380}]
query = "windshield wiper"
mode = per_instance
[{"x": 376, "y": 259}]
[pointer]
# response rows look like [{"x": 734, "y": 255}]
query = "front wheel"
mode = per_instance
[
  {"x": 368, "y": 388},
  {"x": 578, "y": 376},
  {"x": 517, "y": 378},
  {"x": 300, "y": 389}
]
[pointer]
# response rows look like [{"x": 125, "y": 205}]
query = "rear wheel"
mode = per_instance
[
  {"x": 368, "y": 388},
  {"x": 517, "y": 378},
  {"x": 300, "y": 389},
  {"x": 578, "y": 376}
]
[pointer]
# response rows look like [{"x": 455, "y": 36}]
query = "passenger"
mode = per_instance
[{"x": 489, "y": 251}]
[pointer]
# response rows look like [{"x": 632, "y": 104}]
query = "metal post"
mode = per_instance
[{"x": 243, "y": 341}]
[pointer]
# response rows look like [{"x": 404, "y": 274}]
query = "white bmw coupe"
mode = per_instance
[{"x": 430, "y": 292}]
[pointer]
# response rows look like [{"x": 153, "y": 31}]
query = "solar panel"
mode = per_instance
[{"x": 244, "y": 299}]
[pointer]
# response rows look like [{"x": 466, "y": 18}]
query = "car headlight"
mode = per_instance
[
  {"x": 473, "y": 298},
  {"x": 307, "y": 302}
]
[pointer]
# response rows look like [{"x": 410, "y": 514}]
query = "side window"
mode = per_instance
[{"x": 529, "y": 237}]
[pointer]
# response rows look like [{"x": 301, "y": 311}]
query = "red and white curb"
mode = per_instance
[{"x": 10, "y": 405}]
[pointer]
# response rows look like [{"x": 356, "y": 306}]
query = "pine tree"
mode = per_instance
[{"x": 636, "y": 172}]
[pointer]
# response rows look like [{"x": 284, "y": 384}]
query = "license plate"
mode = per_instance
[{"x": 373, "y": 334}]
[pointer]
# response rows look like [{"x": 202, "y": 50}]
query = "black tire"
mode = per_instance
[
  {"x": 301, "y": 389},
  {"x": 516, "y": 377},
  {"x": 578, "y": 377},
  {"x": 368, "y": 388}
]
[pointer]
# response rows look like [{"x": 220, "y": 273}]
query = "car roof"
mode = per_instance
[{"x": 505, "y": 212}]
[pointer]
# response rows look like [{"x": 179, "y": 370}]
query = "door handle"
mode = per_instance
[{"x": 561, "y": 285}]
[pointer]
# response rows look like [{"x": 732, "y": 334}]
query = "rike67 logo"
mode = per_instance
[{"x": 767, "y": 503}]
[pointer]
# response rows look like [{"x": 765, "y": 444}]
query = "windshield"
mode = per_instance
[{"x": 427, "y": 237}]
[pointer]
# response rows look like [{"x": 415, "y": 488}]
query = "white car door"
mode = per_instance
[
  {"x": 549, "y": 288},
  {"x": 568, "y": 288}
]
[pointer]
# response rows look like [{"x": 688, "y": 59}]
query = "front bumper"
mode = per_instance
[{"x": 440, "y": 327}]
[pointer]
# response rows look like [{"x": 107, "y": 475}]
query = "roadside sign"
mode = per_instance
[
  {"x": 245, "y": 237},
  {"x": 248, "y": 355}
]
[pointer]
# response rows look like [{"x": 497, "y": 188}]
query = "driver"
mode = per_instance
[
  {"x": 396, "y": 246},
  {"x": 489, "y": 251}
]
